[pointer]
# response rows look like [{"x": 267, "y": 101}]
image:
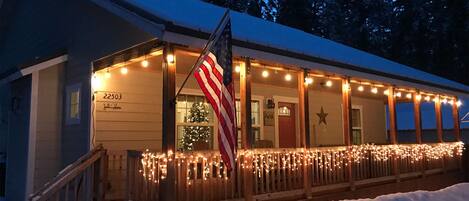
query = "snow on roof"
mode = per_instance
[
  {"x": 201, "y": 16},
  {"x": 457, "y": 192}
]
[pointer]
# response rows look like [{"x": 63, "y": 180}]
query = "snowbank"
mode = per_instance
[{"x": 457, "y": 192}]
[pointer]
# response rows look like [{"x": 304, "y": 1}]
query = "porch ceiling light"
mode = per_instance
[
  {"x": 237, "y": 68},
  {"x": 436, "y": 99},
  {"x": 398, "y": 94},
  {"x": 361, "y": 88},
  {"x": 265, "y": 73},
  {"x": 451, "y": 102},
  {"x": 309, "y": 80},
  {"x": 444, "y": 101},
  {"x": 386, "y": 92},
  {"x": 374, "y": 90},
  {"x": 409, "y": 95},
  {"x": 427, "y": 98},
  {"x": 329, "y": 83},
  {"x": 288, "y": 77},
  {"x": 170, "y": 58},
  {"x": 418, "y": 97},
  {"x": 145, "y": 63},
  {"x": 458, "y": 103},
  {"x": 124, "y": 70},
  {"x": 107, "y": 74}
]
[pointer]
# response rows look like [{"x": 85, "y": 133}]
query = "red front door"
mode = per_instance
[{"x": 286, "y": 125}]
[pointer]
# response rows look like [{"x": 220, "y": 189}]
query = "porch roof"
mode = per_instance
[{"x": 197, "y": 19}]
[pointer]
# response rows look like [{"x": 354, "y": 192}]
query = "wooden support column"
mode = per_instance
[
  {"x": 456, "y": 128},
  {"x": 417, "y": 118},
  {"x": 393, "y": 130},
  {"x": 347, "y": 125},
  {"x": 392, "y": 116},
  {"x": 347, "y": 111},
  {"x": 168, "y": 185},
  {"x": 439, "y": 123},
  {"x": 246, "y": 125},
  {"x": 305, "y": 143},
  {"x": 418, "y": 127}
]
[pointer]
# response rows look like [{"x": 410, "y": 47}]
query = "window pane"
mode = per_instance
[{"x": 356, "y": 118}]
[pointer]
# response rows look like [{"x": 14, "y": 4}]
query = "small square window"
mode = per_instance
[{"x": 73, "y": 109}]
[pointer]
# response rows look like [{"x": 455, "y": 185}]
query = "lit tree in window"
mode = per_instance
[{"x": 191, "y": 134}]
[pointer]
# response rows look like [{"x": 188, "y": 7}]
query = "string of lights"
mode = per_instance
[{"x": 154, "y": 165}]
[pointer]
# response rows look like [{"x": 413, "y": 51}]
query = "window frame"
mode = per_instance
[
  {"x": 69, "y": 90},
  {"x": 360, "y": 109},
  {"x": 212, "y": 124}
]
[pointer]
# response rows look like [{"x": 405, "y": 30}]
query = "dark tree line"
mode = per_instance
[{"x": 431, "y": 35}]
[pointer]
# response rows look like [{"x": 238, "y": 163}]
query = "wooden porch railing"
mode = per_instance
[
  {"x": 82, "y": 180},
  {"x": 202, "y": 176}
]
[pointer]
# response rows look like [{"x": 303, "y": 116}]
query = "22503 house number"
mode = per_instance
[{"x": 112, "y": 96}]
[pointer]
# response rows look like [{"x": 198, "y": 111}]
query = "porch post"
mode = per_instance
[
  {"x": 418, "y": 126},
  {"x": 417, "y": 119},
  {"x": 439, "y": 124},
  {"x": 347, "y": 124},
  {"x": 246, "y": 125},
  {"x": 457, "y": 129},
  {"x": 392, "y": 116},
  {"x": 303, "y": 104},
  {"x": 168, "y": 185},
  {"x": 347, "y": 111},
  {"x": 393, "y": 129}
]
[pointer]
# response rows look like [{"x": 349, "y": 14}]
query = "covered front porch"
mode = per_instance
[{"x": 301, "y": 131}]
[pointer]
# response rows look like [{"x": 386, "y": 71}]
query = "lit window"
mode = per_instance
[
  {"x": 255, "y": 121},
  {"x": 73, "y": 104},
  {"x": 194, "y": 122}
]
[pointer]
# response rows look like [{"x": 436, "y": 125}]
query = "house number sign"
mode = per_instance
[{"x": 112, "y": 96}]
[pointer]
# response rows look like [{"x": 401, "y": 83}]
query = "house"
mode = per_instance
[{"x": 88, "y": 85}]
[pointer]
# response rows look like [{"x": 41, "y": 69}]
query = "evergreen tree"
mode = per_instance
[
  {"x": 192, "y": 134},
  {"x": 296, "y": 14}
]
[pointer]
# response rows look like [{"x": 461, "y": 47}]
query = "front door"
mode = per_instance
[{"x": 286, "y": 125}]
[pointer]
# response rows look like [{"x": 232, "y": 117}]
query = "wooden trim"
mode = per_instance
[
  {"x": 392, "y": 116},
  {"x": 245, "y": 103},
  {"x": 303, "y": 107},
  {"x": 32, "y": 133},
  {"x": 417, "y": 119},
  {"x": 246, "y": 126},
  {"x": 168, "y": 186},
  {"x": 346, "y": 111},
  {"x": 457, "y": 128},
  {"x": 439, "y": 121}
]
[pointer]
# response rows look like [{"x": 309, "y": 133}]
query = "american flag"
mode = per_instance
[{"x": 214, "y": 75}]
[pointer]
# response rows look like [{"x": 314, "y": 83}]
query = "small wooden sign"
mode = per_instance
[{"x": 269, "y": 117}]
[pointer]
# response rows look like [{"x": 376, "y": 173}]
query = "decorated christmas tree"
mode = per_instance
[{"x": 192, "y": 134}]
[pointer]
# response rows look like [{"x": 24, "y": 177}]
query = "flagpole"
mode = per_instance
[{"x": 204, "y": 50}]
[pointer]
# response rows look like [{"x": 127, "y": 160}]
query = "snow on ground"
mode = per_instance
[{"x": 457, "y": 192}]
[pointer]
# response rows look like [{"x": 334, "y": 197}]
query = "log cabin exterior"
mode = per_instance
[{"x": 91, "y": 98}]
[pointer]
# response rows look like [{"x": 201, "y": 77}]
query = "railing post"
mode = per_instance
[
  {"x": 246, "y": 131},
  {"x": 347, "y": 125},
  {"x": 393, "y": 129},
  {"x": 457, "y": 128},
  {"x": 418, "y": 126},
  {"x": 168, "y": 185},
  {"x": 304, "y": 128}
]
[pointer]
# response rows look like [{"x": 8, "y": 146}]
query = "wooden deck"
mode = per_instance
[{"x": 276, "y": 173}]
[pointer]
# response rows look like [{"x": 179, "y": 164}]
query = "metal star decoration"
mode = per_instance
[{"x": 322, "y": 116}]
